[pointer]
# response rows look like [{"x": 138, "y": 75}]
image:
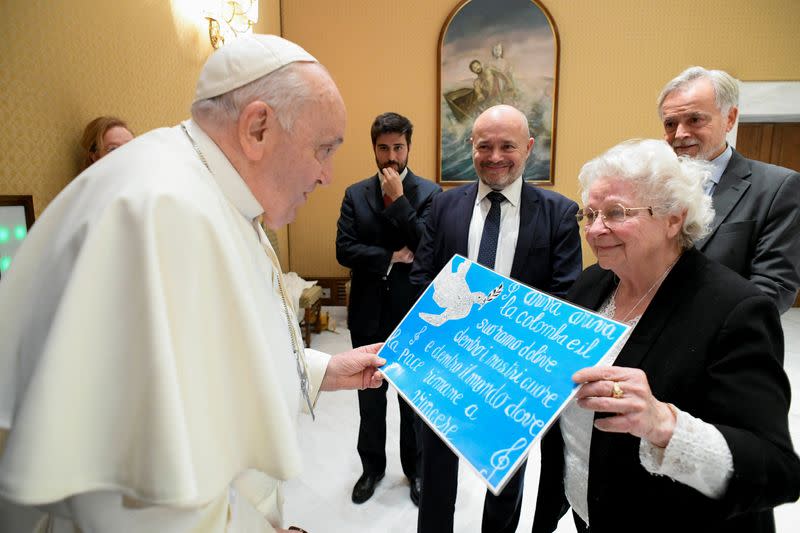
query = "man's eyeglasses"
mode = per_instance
[{"x": 613, "y": 216}]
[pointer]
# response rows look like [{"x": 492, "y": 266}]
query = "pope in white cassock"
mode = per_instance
[{"x": 150, "y": 365}]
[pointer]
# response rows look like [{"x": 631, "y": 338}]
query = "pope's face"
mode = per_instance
[{"x": 303, "y": 158}]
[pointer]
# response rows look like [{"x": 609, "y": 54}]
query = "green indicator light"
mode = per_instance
[
  {"x": 5, "y": 262},
  {"x": 4, "y": 234},
  {"x": 19, "y": 232}
]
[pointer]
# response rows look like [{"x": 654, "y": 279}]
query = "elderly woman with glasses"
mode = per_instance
[{"x": 687, "y": 429}]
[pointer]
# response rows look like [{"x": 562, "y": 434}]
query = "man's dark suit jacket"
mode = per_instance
[
  {"x": 711, "y": 344},
  {"x": 756, "y": 228},
  {"x": 366, "y": 237},
  {"x": 547, "y": 257},
  {"x": 548, "y": 253}
]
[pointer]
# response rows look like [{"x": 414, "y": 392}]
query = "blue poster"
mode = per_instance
[{"x": 486, "y": 362}]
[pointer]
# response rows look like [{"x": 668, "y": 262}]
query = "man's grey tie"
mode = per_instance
[{"x": 491, "y": 231}]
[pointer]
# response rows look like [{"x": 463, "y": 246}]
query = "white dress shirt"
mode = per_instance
[
  {"x": 718, "y": 166},
  {"x": 509, "y": 225}
]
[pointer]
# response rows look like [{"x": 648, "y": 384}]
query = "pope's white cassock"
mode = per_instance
[{"x": 147, "y": 378}]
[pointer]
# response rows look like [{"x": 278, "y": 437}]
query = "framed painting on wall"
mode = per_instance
[{"x": 497, "y": 52}]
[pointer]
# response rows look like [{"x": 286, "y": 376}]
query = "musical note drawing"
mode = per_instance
[{"x": 500, "y": 460}]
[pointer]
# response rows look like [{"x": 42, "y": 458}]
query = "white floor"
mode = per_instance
[{"x": 319, "y": 500}]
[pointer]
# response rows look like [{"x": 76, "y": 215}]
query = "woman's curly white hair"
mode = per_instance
[{"x": 671, "y": 184}]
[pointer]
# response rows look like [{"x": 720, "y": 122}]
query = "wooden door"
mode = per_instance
[{"x": 776, "y": 143}]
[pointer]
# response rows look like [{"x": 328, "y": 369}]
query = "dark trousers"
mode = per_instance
[
  {"x": 372, "y": 429},
  {"x": 440, "y": 484}
]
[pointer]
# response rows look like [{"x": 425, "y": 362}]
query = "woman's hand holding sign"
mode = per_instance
[{"x": 626, "y": 393}]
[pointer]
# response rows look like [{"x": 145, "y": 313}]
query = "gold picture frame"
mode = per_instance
[{"x": 497, "y": 52}]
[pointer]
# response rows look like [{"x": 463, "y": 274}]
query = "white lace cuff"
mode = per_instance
[{"x": 697, "y": 456}]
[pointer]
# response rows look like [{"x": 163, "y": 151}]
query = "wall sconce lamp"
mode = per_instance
[{"x": 227, "y": 19}]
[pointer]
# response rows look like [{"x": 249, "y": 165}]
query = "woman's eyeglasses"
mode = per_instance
[{"x": 613, "y": 216}]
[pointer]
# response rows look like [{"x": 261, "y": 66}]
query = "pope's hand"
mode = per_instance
[{"x": 355, "y": 369}]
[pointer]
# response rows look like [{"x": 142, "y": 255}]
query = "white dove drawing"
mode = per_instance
[{"x": 450, "y": 290}]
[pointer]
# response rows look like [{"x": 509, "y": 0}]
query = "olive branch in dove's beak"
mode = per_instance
[{"x": 492, "y": 295}]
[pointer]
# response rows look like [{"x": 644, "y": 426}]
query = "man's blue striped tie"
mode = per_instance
[{"x": 491, "y": 231}]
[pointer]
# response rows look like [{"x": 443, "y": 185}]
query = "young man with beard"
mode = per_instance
[
  {"x": 519, "y": 230},
  {"x": 379, "y": 228}
]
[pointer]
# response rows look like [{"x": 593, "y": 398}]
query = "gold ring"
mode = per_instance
[{"x": 616, "y": 391}]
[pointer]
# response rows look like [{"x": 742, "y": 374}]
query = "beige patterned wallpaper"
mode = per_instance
[
  {"x": 64, "y": 62},
  {"x": 615, "y": 57}
]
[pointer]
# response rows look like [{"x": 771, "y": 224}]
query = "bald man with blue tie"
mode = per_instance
[{"x": 520, "y": 231}]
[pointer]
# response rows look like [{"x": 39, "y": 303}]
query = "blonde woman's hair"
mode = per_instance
[{"x": 92, "y": 138}]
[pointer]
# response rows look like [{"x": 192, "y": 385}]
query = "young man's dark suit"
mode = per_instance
[
  {"x": 367, "y": 235},
  {"x": 756, "y": 228},
  {"x": 547, "y": 257}
]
